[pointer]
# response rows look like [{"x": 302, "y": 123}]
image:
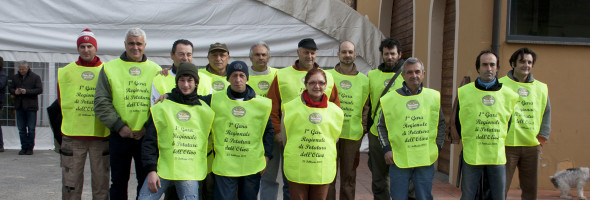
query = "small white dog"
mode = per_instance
[{"x": 569, "y": 178}]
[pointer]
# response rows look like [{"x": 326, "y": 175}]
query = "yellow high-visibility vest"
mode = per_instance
[
  {"x": 484, "y": 117},
  {"x": 77, "y": 85},
  {"x": 131, "y": 86},
  {"x": 310, "y": 151},
  {"x": 412, "y": 126},
  {"x": 353, "y": 91},
  {"x": 377, "y": 82},
  {"x": 528, "y": 114},
  {"x": 183, "y": 132}
]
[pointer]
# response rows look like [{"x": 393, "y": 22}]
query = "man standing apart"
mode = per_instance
[
  {"x": 26, "y": 87},
  {"x": 83, "y": 133},
  {"x": 242, "y": 139},
  {"x": 353, "y": 89},
  {"x": 261, "y": 75},
  {"x": 531, "y": 122},
  {"x": 182, "y": 51},
  {"x": 412, "y": 129},
  {"x": 483, "y": 112},
  {"x": 391, "y": 53},
  {"x": 289, "y": 84},
  {"x": 3, "y": 82},
  {"x": 218, "y": 57},
  {"x": 122, "y": 103}
]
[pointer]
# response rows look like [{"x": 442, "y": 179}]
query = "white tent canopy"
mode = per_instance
[{"x": 46, "y": 31}]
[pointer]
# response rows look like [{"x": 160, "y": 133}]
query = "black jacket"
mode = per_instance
[{"x": 31, "y": 82}]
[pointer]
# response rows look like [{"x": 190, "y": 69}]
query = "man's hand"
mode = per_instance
[
  {"x": 153, "y": 181},
  {"x": 542, "y": 140},
  {"x": 264, "y": 170},
  {"x": 161, "y": 98},
  {"x": 23, "y": 91},
  {"x": 389, "y": 158},
  {"x": 17, "y": 91},
  {"x": 164, "y": 73},
  {"x": 137, "y": 135},
  {"x": 125, "y": 132}
]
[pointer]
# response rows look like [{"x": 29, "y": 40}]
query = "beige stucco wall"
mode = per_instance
[{"x": 563, "y": 67}]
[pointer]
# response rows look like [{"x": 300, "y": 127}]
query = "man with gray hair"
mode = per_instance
[
  {"x": 26, "y": 87},
  {"x": 411, "y": 128},
  {"x": 122, "y": 104},
  {"x": 261, "y": 75}
]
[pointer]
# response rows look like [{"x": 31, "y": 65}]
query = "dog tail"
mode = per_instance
[{"x": 554, "y": 181}]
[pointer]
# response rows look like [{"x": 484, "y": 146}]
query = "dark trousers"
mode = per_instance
[
  {"x": 122, "y": 150},
  {"x": 245, "y": 187},
  {"x": 26, "y": 121}
]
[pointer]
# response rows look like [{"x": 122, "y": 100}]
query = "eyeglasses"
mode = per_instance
[{"x": 316, "y": 83}]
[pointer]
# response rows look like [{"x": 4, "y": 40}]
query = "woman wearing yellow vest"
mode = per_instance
[
  {"x": 174, "y": 149},
  {"x": 312, "y": 126}
]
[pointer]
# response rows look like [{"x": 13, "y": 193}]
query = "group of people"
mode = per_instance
[{"x": 224, "y": 131}]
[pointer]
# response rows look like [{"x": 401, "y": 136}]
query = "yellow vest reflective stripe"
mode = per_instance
[
  {"x": 412, "y": 126},
  {"x": 291, "y": 83},
  {"x": 131, "y": 86},
  {"x": 377, "y": 82},
  {"x": 528, "y": 114},
  {"x": 353, "y": 91},
  {"x": 165, "y": 84},
  {"x": 238, "y": 128},
  {"x": 218, "y": 83},
  {"x": 261, "y": 83},
  {"x": 77, "y": 85},
  {"x": 310, "y": 152},
  {"x": 484, "y": 117},
  {"x": 183, "y": 132}
]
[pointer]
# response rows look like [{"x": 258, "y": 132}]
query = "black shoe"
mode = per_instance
[
  {"x": 29, "y": 152},
  {"x": 22, "y": 152},
  {"x": 1, "y": 149}
]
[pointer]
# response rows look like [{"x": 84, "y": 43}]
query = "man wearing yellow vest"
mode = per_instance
[
  {"x": 122, "y": 103},
  {"x": 174, "y": 149},
  {"x": 289, "y": 84},
  {"x": 531, "y": 122},
  {"x": 83, "y": 133},
  {"x": 484, "y": 110},
  {"x": 353, "y": 89},
  {"x": 242, "y": 138},
  {"x": 218, "y": 57},
  {"x": 182, "y": 51},
  {"x": 391, "y": 53},
  {"x": 261, "y": 75},
  {"x": 411, "y": 128}
]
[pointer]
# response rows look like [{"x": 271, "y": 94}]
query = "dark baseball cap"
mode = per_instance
[
  {"x": 218, "y": 46},
  {"x": 307, "y": 43}
]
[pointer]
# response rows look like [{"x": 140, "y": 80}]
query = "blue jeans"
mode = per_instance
[
  {"x": 122, "y": 150},
  {"x": 400, "y": 181},
  {"x": 26, "y": 121},
  {"x": 471, "y": 179},
  {"x": 185, "y": 189},
  {"x": 245, "y": 186}
]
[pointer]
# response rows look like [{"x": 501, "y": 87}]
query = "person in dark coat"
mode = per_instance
[
  {"x": 3, "y": 81},
  {"x": 26, "y": 87}
]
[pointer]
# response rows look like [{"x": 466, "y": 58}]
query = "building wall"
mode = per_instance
[{"x": 562, "y": 67}]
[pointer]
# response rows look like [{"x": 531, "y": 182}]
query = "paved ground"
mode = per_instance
[{"x": 39, "y": 177}]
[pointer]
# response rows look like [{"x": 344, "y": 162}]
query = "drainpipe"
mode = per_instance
[{"x": 496, "y": 27}]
